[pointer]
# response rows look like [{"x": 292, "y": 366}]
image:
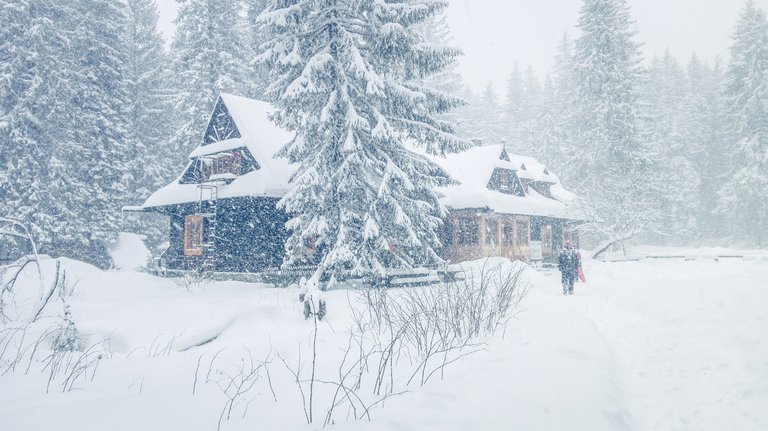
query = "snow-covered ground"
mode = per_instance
[{"x": 651, "y": 345}]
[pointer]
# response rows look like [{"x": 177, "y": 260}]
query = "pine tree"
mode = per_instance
[
  {"x": 149, "y": 96},
  {"x": 30, "y": 102},
  {"x": 93, "y": 154},
  {"x": 260, "y": 77},
  {"x": 210, "y": 57},
  {"x": 344, "y": 81},
  {"x": 667, "y": 130},
  {"x": 742, "y": 198},
  {"x": 708, "y": 133},
  {"x": 436, "y": 31},
  {"x": 609, "y": 166},
  {"x": 532, "y": 111},
  {"x": 514, "y": 106},
  {"x": 67, "y": 135},
  {"x": 559, "y": 126}
]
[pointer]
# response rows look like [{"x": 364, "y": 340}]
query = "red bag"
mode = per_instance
[{"x": 581, "y": 275}]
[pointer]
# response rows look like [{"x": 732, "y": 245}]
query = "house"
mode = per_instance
[
  {"x": 223, "y": 207},
  {"x": 224, "y": 215},
  {"x": 504, "y": 205}
]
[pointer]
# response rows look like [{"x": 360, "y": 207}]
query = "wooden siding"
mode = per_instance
[
  {"x": 496, "y": 235},
  {"x": 250, "y": 236}
]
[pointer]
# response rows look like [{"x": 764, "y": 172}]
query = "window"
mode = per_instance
[
  {"x": 522, "y": 233},
  {"x": 535, "y": 229},
  {"x": 468, "y": 232},
  {"x": 226, "y": 163},
  {"x": 236, "y": 162},
  {"x": 491, "y": 232},
  {"x": 506, "y": 181},
  {"x": 193, "y": 235},
  {"x": 509, "y": 234}
]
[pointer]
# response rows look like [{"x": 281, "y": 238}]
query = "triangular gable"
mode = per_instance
[
  {"x": 221, "y": 126},
  {"x": 506, "y": 181},
  {"x": 504, "y": 156}
]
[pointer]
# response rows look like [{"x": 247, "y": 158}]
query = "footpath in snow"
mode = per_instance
[{"x": 651, "y": 345}]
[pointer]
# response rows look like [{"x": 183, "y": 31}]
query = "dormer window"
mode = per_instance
[
  {"x": 506, "y": 181},
  {"x": 234, "y": 162},
  {"x": 522, "y": 167}
]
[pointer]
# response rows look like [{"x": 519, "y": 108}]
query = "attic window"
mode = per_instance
[
  {"x": 504, "y": 156},
  {"x": 522, "y": 167},
  {"x": 506, "y": 181},
  {"x": 236, "y": 162},
  {"x": 221, "y": 126},
  {"x": 546, "y": 171}
]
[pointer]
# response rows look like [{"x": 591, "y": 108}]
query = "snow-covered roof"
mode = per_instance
[
  {"x": 260, "y": 136},
  {"x": 473, "y": 170},
  {"x": 263, "y": 139}
]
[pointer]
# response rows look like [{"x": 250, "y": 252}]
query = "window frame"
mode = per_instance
[
  {"x": 489, "y": 222},
  {"x": 464, "y": 228},
  {"x": 194, "y": 229},
  {"x": 522, "y": 226}
]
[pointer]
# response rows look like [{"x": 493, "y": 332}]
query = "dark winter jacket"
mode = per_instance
[{"x": 568, "y": 262}]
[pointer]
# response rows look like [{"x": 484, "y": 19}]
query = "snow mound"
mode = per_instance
[{"x": 130, "y": 252}]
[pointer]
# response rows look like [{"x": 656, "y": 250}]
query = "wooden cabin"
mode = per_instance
[
  {"x": 504, "y": 205},
  {"x": 223, "y": 207},
  {"x": 224, "y": 216}
]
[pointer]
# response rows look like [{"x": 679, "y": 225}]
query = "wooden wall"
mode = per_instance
[
  {"x": 501, "y": 235},
  {"x": 250, "y": 236}
]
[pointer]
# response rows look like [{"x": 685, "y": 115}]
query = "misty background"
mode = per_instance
[{"x": 493, "y": 34}]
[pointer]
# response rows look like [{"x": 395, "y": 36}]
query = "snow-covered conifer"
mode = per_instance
[
  {"x": 66, "y": 122},
  {"x": 210, "y": 56},
  {"x": 259, "y": 79},
  {"x": 436, "y": 31},
  {"x": 513, "y": 104},
  {"x": 344, "y": 79},
  {"x": 708, "y": 123},
  {"x": 609, "y": 164},
  {"x": 149, "y": 96},
  {"x": 666, "y": 128},
  {"x": 558, "y": 126},
  {"x": 743, "y": 197}
]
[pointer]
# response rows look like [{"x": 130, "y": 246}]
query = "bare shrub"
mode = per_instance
[
  {"x": 194, "y": 280},
  {"x": 405, "y": 336},
  {"x": 237, "y": 383}
]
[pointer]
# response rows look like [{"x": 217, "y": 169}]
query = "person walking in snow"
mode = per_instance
[{"x": 569, "y": 263}]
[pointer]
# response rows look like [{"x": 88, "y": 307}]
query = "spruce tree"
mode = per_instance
[
  {"x": 31, "y": 101},
  {"x": 148, "y": 101},
  {"x": 259, "y": 79},
  {"x": 666, "y": 127},
  {"x": 742, "y": 198},
  {"x": 93, "y": 154},
  {"x": 708, "y": 126},
  {"x": 609, "y": 165},
  {"x": 559, "y": 125},
  {"x": 67, "y": 134},
  {"x": 436, "y": 31},
  {"x": 210, "y": 57},
  {"x": 514, "y": 106},
  {"x": 344, "y": 79}
]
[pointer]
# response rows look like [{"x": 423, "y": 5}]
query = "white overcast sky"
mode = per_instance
[{"x": 495, "y": 33}]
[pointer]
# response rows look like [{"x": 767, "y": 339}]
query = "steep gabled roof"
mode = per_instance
[
  {"x": 255, "y": 132},
  {"x": 473, "y": 169}
]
